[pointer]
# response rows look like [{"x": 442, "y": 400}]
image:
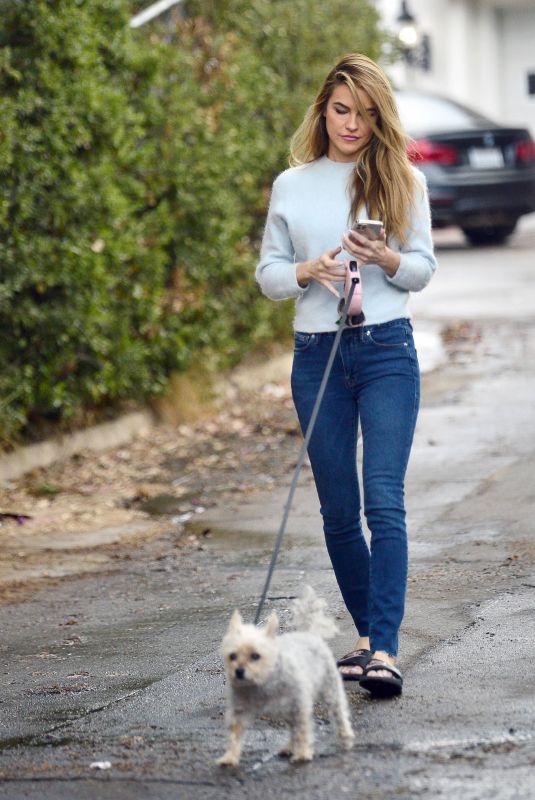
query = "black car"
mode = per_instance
[{"x": 481, "y": 176}]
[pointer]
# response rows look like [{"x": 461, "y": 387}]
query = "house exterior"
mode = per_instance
[{"x": 482, "y": 53}]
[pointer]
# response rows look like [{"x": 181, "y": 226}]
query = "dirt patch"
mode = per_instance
[{"x": 84, "y": 514}]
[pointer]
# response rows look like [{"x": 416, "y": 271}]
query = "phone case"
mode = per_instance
[{"x": 371, "y": 231}]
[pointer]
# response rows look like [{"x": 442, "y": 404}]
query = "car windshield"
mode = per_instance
[{"x": 427, "y": 113}]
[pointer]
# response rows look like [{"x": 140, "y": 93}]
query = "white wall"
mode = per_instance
[{"x": 518, "y": 59}]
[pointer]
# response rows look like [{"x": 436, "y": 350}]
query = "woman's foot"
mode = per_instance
[
  {"x": 381, "y": 655},
  {"x": 381, "y": 676},
  {"x": 351, "y": 666}
]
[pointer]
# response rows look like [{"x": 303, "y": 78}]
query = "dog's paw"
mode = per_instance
[
  {"x": 302, "y": 756},
  {"x": 228, "y": 760},
  {"x": 348, "y": 741}
]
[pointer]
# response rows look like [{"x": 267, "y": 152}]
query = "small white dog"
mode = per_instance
[{"x": 284, "y": 676}]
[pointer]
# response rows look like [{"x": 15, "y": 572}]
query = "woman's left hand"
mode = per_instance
[{"x": 371, "y": 251}]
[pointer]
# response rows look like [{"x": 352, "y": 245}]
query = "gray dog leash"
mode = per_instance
[{"x": 310, "y": 429}]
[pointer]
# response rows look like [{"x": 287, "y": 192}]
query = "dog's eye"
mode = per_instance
[
  {"x": 255, "y": 656},
  {"x": 233, "y": 656}
]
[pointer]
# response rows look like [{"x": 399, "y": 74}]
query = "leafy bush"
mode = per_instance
[{"x": 135, "y": 168}]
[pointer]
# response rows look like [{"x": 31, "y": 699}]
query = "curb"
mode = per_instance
[{"x": 99, "y": 437}]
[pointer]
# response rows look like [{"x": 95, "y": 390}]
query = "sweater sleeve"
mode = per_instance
[
  {"x": 276, "y": 270},
  {"x": 418, "y": 262}
]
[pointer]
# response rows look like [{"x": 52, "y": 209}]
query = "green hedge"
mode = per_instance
[{"x": 135, "y": 168}]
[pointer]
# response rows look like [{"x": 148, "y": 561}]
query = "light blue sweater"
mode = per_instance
[{"x": 308, "y": 213}]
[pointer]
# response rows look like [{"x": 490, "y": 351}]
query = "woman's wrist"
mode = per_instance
[
  {"x": 390, "y": 262},
  {"x": 302, "y": 274}
]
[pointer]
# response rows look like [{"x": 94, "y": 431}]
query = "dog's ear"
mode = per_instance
[
  {"x": 272, "y": 625},
  {"x": 236, "y": 621}
]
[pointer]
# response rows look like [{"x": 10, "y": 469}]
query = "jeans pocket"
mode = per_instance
[
  {"x": 389, "y": 336},
  {"x": 302, "y": 341}
]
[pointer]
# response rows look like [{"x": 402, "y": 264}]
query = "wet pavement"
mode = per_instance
[{"x": 122, "y": 666}]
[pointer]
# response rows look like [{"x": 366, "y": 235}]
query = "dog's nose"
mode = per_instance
[{"x": 240, "y": 672}]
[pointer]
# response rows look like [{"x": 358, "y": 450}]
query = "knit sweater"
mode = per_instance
[{"x": 308, "y": 213}]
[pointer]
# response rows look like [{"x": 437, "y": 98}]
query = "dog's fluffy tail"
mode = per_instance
[{"x": 308, "y": 614}]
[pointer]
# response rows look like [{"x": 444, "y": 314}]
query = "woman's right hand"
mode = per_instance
[{"x": 324, "y": 269}]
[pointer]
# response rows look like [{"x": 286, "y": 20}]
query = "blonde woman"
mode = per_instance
[{"x": 349, "y": 160}]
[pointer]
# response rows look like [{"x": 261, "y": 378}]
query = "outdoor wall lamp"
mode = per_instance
[{"x": 415, "y": 45}]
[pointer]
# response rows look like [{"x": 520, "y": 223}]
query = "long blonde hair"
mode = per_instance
[{"x": 383, "y": 180}]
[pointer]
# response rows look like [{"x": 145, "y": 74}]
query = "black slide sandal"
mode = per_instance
[
  {"x": 356, "y": 658},
  {"x": 378, "y": 685}
]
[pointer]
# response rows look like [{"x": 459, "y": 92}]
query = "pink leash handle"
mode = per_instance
[{"x": 355, "y": 315}]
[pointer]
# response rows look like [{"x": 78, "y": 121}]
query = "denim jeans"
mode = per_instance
[{"x": 375, "y": 379}]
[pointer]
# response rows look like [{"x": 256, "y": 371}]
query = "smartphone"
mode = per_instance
[{"x": 371, "y": 228}]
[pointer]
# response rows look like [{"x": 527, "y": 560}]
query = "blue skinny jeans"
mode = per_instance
[{"x": 375, "y": 379}]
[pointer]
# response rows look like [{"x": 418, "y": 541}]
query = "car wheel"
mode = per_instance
[{"x": 489, "y": 234}]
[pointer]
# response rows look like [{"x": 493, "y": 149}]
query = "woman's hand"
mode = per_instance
[
  {"x": 371, "y": 251},
  {"x": 324, "y": 269}
]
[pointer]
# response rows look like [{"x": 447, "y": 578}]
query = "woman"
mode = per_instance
[{"x": 349, "y": 160}]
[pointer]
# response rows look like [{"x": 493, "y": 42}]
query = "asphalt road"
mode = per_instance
[{"x": 124, "y": 667}]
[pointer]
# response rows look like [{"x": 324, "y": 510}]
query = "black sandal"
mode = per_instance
[
  {"x": 356, "y": 658},
  {"x": 378, "y": 685}
]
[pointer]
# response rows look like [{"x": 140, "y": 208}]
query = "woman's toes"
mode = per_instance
[{"x": 351, "y": 670}]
